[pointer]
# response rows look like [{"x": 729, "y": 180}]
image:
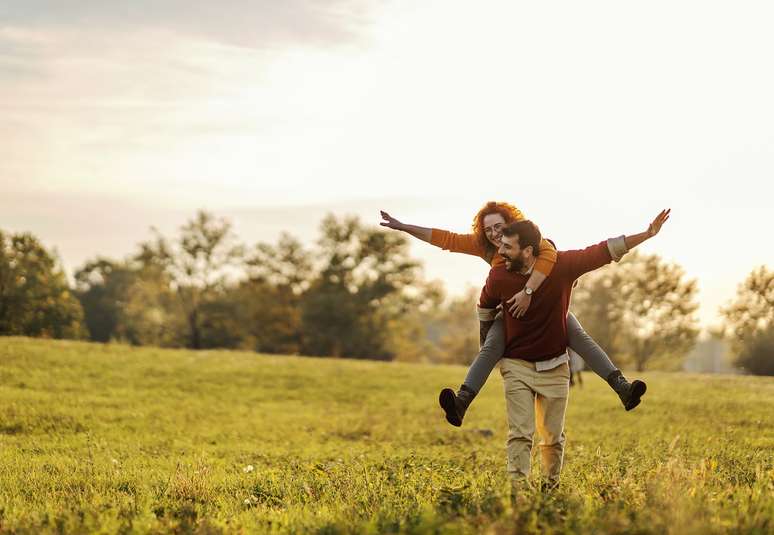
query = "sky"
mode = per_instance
[{"x": 591, "y": 117}]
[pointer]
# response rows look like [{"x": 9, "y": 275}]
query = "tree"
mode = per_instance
[
  {"x": 151, "y": 311},
  {"x": 286, "y": 266},
  {"x": 450, "y": 328},
  {"x": 197, "y": 267},
  {"x": 269, "y": 321},
  {"x": 102, "y": 287},
  {"x": 271, "y": 297},
  {"x": 353, "y": 297},
  {"x": 757, "y": 355},
  {"x": 224, "y": 324},
  {"x": 413, "y": 333},
  {"x": 130, "y": 301},
  {"x": 641, "y": 311},
  {"x": 35, "y": 299},
  {"x": 750, "y": 322},
  {"x": 596, "y": 303},
  {"x": 752, "y": 312}
]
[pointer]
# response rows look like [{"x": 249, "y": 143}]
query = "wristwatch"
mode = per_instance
[{"x": 528, "y": 290}]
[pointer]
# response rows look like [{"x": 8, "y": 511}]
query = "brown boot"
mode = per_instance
[{"x": 455, "y": 405}]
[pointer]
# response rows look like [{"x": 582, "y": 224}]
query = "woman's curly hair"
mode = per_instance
[{"x": 509, "y": 212}]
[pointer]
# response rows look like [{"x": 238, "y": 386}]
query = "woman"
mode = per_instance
[{"x": 484, "y": 242}]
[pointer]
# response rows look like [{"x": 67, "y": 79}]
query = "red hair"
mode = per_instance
[{"x": 509, "y": 212}]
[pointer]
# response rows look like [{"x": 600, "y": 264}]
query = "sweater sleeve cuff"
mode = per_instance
[
  {"x": 486, "y": 314},
  {"x": 617, "y": 247}
]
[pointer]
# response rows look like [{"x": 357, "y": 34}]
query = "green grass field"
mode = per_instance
[{"x": 114, "y": 439}]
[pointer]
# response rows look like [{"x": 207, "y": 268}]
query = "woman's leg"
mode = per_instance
[
  {"x": 455, "y": 404},
  {"x": 584, "y": 345},
  {"x": 488, "y": 356}
]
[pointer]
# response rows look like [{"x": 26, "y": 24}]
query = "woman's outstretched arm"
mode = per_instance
[
  {"x": 423, "y": 233},
  {"x": 449, "y": 241}
]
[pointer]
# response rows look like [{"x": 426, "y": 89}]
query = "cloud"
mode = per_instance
[
  {"x": 135, "y": 72},
  {"x": 43, "y": 39},
  {"x": 247, "y": 23},
  {"x": 89, "y": 85}
]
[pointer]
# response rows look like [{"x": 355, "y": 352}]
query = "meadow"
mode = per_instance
[{"x": 117, "y": 439}]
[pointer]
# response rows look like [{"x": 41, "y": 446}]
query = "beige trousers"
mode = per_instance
[{"x": 535, "y": 397}]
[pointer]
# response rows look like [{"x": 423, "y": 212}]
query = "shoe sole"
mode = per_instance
[
  {"x": 638, "y": 390},
  {"x": 446, "y": 400}
]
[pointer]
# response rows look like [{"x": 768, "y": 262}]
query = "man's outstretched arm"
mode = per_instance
[
  {"x": 596, "y": 256},
  {"x": 630, "y": 242}
]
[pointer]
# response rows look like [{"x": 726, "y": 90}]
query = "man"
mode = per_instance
[{"x": 535, "y": 366}]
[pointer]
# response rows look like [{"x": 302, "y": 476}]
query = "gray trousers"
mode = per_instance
[{"x": 494, "y": 347}]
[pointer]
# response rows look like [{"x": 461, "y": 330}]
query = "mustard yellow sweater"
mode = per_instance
[{"x": 470, "y": 244}]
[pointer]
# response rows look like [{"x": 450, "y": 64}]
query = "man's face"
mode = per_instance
[
  {"x": 512, "y": 253},
  {"x": 493, "y": 228}
]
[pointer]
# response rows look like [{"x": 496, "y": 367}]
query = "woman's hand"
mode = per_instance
[
  {"x": 390, "y": 222},
  {"x": 424, "y": 234},
  {"x": 518, "y": 304}
]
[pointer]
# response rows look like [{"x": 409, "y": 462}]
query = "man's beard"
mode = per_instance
[{"x": 514, "y": 264}]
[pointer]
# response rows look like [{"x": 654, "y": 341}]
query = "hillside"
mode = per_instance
[{"x": 138, "y": 440}]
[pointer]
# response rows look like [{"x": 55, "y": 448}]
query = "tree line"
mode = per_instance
[{"x": 356, "y": 293}]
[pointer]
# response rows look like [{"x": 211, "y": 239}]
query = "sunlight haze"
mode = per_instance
[{"x": 589, "y": 117}]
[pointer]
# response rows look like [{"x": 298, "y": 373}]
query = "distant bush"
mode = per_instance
[
  {"x": 35, "y": 299},
  {"x": 750, "y": 322},
  {"x": 757, "y": 357}
]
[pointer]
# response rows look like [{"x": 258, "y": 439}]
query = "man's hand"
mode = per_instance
[
  {"x": 390, "y": 222},
  {"x": 656, "y": 224},
  {"x": 519, "y": 304}
]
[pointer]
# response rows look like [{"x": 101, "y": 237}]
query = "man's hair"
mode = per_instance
[{"x": 527, "y": 232}]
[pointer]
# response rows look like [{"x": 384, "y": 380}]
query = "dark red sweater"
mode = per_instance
[{"x": 541, "y": 333}]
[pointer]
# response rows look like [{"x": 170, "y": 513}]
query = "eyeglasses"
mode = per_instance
[{"x": 494, "y": 228}]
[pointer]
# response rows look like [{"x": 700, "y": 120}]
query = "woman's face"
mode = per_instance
[{"x": 493, "y": 228}]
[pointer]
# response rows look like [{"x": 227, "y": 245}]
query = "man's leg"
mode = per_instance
[
  {"x": 584, "y": 345},
  {"x": 455, "y": 404},
  {"x": 520, "y": 408},
  {"x": 552, "y": 389}
]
